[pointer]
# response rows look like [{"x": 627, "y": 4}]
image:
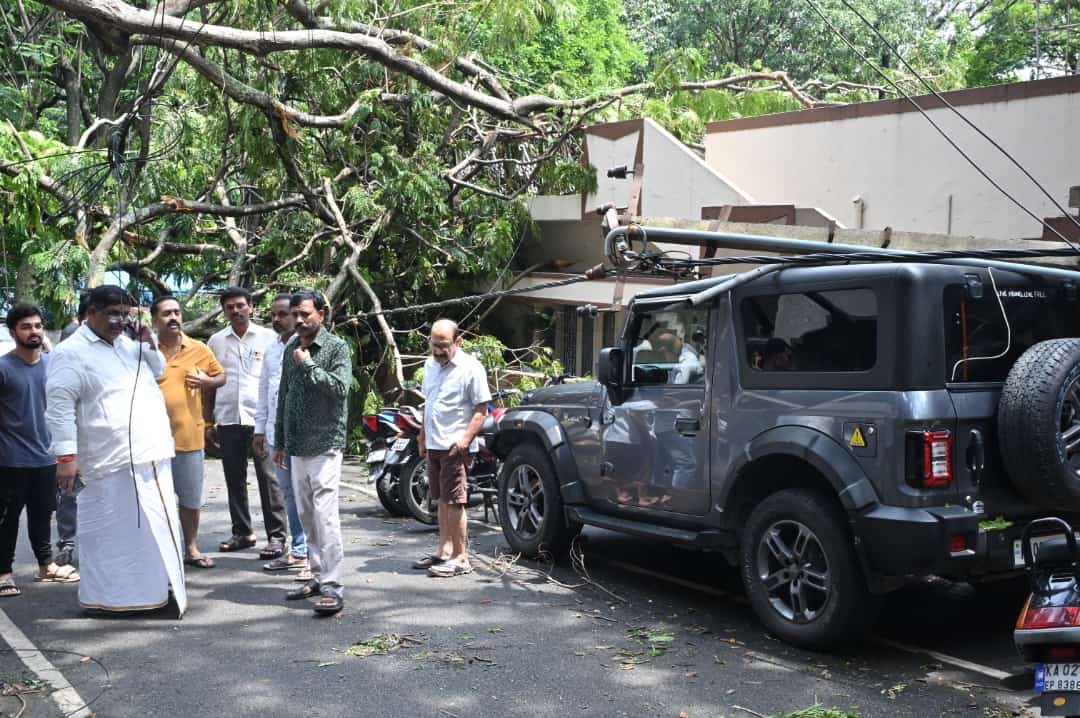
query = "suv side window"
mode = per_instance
[
  {"x": 669, "y": 345},
  {"x": 829, "y": 331}
]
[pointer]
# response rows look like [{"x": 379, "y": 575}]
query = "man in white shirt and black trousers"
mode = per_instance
[{"x": 241, "y": 348}]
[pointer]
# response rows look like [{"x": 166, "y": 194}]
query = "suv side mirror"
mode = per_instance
[{"x": 609, "y": 368}]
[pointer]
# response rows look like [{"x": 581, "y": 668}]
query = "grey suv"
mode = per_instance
[{"x": 832, "y": 430}]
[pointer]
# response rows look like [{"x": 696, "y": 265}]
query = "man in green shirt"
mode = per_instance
[{"x": 310, "y": 429}]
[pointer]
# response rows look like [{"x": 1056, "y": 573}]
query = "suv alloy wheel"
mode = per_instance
[
  {"x": 530, "y": 506},
  {"x": 801, "y": 572}
]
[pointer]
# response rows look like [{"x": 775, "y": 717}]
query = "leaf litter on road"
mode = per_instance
[{"x": 379, "y": 645}]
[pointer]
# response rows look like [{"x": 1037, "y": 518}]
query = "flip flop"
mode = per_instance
[
  {"x": 328, "y": 605},
  {"x": 200, "y": 562},
  {"x": 428, "y": 562},
  {"x": 235, "y": 544},
  {"x": 8, "y": 588},
  {"x": 62, "y": 574},
  {"x": 285, "y": 563},
  {"x": 449, "y": 569},
  {"x": 309, "y": 589}
]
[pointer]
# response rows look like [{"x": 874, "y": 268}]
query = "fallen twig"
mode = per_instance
[{"x": 751, "y": 712}]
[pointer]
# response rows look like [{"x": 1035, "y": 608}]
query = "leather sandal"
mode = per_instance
[
  {"x": 274, "y": 549},
  {"x": 236, "y": 543},
  {"x": 309, "y": 589},
  {"x": 328, "y": 605}
]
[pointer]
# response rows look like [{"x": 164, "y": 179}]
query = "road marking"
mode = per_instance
[
  {"x": 66, "y": 698},
  {"x": 946, "y": 658}
]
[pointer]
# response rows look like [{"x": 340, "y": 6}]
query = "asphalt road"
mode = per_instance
[{"x": 658, "y": 632}]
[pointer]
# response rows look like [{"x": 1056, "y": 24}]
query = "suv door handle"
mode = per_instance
[{"x": 689, "y": 427}]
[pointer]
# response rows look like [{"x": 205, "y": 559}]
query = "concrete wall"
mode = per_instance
[{"x": 906, "y": 175}]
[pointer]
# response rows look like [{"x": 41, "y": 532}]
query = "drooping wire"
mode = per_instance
[
  {"x": 895, "y": 51},
  {"x": 862, "y": 56}
]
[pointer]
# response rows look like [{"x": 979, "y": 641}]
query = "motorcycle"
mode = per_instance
[
  {"x": 1048, "y": 630},
  {"x": 413, "y": 487},
  {"x": 379, "y": 429}
]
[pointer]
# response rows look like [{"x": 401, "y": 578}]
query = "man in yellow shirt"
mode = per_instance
[{"x": 190, "y": 368}]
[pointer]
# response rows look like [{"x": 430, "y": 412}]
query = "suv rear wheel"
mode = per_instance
[
  {"x": 801, "y": 572},
  {"x": 530, "y": 506}
]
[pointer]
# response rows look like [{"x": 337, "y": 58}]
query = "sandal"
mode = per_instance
[
  {"x": 273, "y": 549},
  {"x": 449, "y": 569},
  {"x": 8, "y": 588},
  {"x": 200, "y": 562},
  {"x": 429, "y": 561},
  {"x": 62, "y": 574},
  {"x": 236, "y": 543},
  {"x": 328, "y": 605},
  {"x": 306, "y": 575},
  {"x": 309, "y": 589},
  {"x": 285, "y": 563}
]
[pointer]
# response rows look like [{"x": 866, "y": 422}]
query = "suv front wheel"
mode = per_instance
[
  {"x": 801, "y": 572},
  {"x": 530, "y": 506}
]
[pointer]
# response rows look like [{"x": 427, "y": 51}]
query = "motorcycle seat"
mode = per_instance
[{"x": 1053, "y": 551}]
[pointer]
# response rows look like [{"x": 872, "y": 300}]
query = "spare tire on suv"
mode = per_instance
[{"x": 1039, "y": 424}]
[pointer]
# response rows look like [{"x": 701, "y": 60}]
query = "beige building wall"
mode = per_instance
[{"x": 880, "y": 164}]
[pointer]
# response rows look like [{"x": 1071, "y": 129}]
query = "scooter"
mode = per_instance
[
  {"x": 1048, "y": 630},
  {"x": 413, "y": 486},
  {"x": 379, "y": 429}
]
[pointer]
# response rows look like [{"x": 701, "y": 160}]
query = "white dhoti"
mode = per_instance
[{"x": 130, "y": 552}]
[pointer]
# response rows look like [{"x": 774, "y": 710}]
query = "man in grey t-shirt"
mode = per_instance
[{"x": 27, "y": 468}]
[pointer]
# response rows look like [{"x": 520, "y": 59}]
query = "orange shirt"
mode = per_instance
[{"x": 183, "y": 404}]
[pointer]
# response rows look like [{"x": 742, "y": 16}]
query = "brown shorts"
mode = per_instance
[{"x": 448, "y": 475}]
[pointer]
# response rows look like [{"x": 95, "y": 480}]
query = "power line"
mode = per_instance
[
  {"x": 862, "y": 56},
  {"x": 957, "y": 112}
]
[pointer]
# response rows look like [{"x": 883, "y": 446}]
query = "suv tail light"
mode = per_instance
[{"x": 929, "y": 459}]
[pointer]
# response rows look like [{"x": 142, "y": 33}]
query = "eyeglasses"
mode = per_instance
[{"x": 443, "y": 346}]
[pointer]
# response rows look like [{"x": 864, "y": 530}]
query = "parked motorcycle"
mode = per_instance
[
  {"x": 1048, "y": 629},
  {"x": 380, "y": 430},
  {"x": 415, "y": 492}
]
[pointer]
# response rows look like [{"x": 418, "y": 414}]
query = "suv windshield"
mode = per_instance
[{"x": 980, "y": 346}]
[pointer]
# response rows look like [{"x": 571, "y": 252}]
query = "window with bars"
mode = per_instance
[
  {"x": 607, "y": 329},
  {"x": 588, "y": 360},
  {"x": 569, "y": 334}
]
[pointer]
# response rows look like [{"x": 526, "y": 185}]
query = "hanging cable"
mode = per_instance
[
  {"x": 862, "y": 56},
  {"x": 958, "y": 113}
]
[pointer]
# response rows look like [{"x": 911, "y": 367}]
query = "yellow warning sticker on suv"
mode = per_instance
[{"x": 861, "y": 438}]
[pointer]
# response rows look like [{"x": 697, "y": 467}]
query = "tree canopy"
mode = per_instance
[{"x": 382, "y": 152}]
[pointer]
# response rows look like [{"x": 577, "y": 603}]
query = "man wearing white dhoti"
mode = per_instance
[{"x": 109, "y": 426}]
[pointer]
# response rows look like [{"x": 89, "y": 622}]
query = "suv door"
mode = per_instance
[{"x": 655, "y": 442}]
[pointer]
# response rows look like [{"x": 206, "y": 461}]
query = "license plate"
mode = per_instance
[
  {"x": 400, "y": 445},
  {"x": 1018, "y": 552},
  {"x": 1056, "y": 677},
  {"x": 376, "y": 456}
]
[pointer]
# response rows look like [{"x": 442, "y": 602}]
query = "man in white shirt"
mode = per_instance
[
  {"x": 241, "y": 348},
  {"x": 265, "y": 442},
  {"x": 108, "y": 423},
  {"x": 456, "y": 396}
]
